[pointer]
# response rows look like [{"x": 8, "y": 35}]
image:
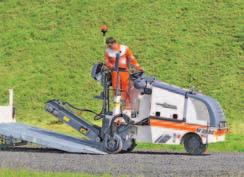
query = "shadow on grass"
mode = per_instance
[
  {"x": 40, "y": 150},
  {"x": 142, "y": 152},
  {"x": 165, "y": 153}
]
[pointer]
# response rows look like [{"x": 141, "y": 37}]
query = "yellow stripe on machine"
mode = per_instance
[{"x": 66, "y": 119}]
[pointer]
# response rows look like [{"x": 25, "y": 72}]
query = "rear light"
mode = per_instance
[{"x": 222, "y": 124}]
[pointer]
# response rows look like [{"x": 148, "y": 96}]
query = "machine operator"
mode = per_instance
[{"x": 126, "y": 60}]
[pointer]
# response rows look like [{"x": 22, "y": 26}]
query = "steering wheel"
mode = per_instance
[{"x": 136, "y": 75}]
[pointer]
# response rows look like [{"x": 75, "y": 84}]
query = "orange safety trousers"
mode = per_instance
[{"x": 123, "y": 85}]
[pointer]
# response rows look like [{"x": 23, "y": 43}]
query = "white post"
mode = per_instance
[
  {"x": 11, "y": 97},
  {"x": 7, "y": 113}
]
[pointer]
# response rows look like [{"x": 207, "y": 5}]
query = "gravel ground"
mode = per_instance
[{"x": 138, "y": 163}]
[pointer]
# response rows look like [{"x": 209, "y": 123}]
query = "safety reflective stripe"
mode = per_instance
[
  {"x": 175, "y": 125},
  {"x": 220, "y": 132},
  {"x": 123, "y": 49},
  {"x": 112, "y": 53}
]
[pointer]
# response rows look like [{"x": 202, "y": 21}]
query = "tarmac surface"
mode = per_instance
[{"x": 137, "y": 163}]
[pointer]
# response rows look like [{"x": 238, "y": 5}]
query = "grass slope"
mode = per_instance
[
  {"x": 27, "y": 173},
  {"x": 47, "y": 49}
]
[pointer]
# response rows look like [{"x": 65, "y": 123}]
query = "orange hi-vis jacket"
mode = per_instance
[{"x": 126, "y": 58}]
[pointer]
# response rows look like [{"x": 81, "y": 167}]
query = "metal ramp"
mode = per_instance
[{"x": 49, "y": 139}]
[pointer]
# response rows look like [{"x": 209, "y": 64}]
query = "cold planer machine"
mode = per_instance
[{"x": 160, "y": 113}]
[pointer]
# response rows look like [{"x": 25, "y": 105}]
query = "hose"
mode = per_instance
[{"x": 96, "y": 117}]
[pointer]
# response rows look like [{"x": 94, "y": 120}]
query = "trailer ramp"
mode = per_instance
[{"x": 49, "y": 139}]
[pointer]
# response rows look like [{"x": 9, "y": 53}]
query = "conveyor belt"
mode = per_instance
[{"x": 49, "y": 139}]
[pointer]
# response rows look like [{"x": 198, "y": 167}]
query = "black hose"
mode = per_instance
[{"x": 83, "y": 110}]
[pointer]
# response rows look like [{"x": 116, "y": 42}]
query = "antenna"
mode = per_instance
[{"x": 104, "y": 30}]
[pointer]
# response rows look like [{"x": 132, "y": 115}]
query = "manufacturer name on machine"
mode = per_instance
[{"x": 205, "y": 131}]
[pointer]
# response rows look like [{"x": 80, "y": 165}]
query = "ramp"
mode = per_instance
[{"x": 49, "y": 139}]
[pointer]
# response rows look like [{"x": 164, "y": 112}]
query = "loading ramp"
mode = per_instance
[{"x": 49, "y": 139}]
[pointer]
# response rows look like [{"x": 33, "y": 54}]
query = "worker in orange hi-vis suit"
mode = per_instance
[{"x": 126, "y": 59}]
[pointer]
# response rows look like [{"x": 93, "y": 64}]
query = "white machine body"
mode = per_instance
[{"x": 172, "y": 112}]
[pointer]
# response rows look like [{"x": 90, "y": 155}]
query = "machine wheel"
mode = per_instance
[
  {"x": 193, "y": 145},
  {"x": 113, "y": 144},
  {"x": 132, "y": 147}
]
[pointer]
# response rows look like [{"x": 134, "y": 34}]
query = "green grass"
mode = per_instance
[
  {"x": 47, "y": 49},
  {"x": 27, "y": 173}
]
